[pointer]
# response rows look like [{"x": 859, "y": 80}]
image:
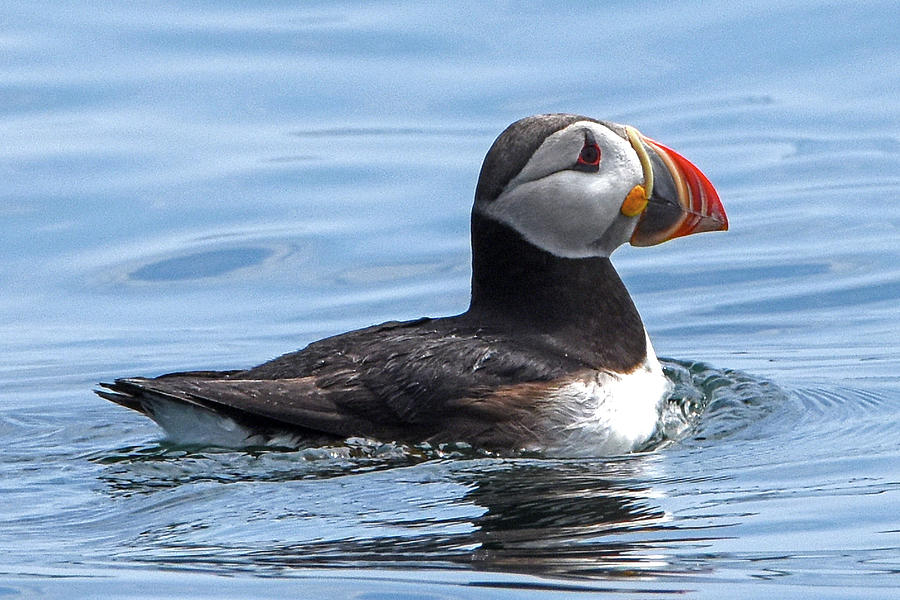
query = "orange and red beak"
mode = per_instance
[{"x": 682, "y": 201}]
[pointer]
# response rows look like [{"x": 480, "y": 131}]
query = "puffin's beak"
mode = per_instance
[{"x": 682, "y": 200}]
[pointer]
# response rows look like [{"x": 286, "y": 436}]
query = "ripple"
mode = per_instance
[
  {"x": 713, "y": 406},
  {"x": 709, "y": 403},
  {"x": 148, "y": 468},
  {"x": 210, "y": 263},
  {"x": 861, "y": 421},
  {"x": 418, "y": 132}
]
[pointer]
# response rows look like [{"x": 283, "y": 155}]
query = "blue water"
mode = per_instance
[{"x": 208, "y": 185}]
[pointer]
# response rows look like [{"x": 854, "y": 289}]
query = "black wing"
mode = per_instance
[{"x": 436, "y": 379}]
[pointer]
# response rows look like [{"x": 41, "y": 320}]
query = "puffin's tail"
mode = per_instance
[
  {"x": 189, "y": 422},
  {"x": 116, "y": 392}
]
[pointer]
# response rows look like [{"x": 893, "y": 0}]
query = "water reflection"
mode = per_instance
[{"x": 565, "y": 518}]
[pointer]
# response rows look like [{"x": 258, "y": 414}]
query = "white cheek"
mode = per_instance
[
  {"x": 566, "y": 213},
  {"x": 564, "y": 224}
]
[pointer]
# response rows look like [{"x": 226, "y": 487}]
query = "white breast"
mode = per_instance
[{"x": 608, "y": 413}]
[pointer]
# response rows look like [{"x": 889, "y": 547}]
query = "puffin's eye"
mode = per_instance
[{"x": 589, "y": 158}]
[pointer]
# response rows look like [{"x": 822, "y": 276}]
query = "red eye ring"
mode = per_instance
[{"x": 590, "y": 154}]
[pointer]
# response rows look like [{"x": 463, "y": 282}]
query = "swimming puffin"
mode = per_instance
[{"x": 551, "y": 354}]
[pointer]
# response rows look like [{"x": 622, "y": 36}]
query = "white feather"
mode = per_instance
[
  {"x": 190, "y": 425},
  {"x": 609, "y": 413}
]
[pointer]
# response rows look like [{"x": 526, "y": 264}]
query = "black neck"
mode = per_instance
[{"x": 580, "y": 305}]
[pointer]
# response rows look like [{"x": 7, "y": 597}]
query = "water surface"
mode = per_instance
[{"x": 209, "y": 185}]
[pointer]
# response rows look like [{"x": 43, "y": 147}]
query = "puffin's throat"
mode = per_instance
[{"x": 579, "y": 302}]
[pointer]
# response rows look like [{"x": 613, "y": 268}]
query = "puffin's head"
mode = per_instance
[{"x": 577, "y": 187}]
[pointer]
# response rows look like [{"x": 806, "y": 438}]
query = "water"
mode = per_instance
[{"x": 207, "y": 185}]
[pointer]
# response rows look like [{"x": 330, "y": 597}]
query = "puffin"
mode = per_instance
[{"x": 551, "y": 355}]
